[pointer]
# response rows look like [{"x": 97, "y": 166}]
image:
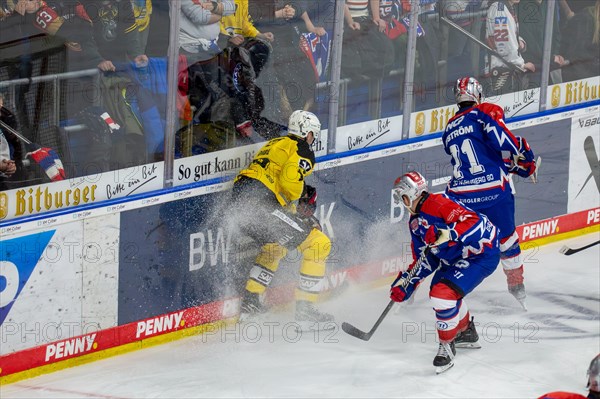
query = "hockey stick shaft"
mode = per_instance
[
  {"x": 571, "y": 251},
  {"x": 365, "y": 336},
  {"x": 13, "y": 131},
  {"x": 482, "y": 44}
]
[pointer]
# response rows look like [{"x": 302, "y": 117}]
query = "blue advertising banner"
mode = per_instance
[{"x": 18, "y": 259}]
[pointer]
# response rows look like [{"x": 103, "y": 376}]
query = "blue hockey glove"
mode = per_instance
[
  {"x": 524, "y": 163},
  {"x": 402, "y": 288}
]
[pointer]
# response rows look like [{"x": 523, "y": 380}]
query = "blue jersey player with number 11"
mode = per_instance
[{"x": 476, "y": 138}]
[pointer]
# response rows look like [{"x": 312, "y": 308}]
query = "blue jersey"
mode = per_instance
[
  {"x": 471, "y": 233},
  {"x": 475, "y": 139}
]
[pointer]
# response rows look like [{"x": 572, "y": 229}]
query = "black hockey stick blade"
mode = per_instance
[
  {"x": 365, "y": 336},
  {"x": 570, "y": 251},
  {"x": 355, "y": 332}
]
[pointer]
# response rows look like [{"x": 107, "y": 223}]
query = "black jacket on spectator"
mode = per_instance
[
  {"x": 115, "y": 31},
  {"x": 292, "y": 67},
  {"x": 63, "y": 24},
  {"x": 532, "y": 21},
  {"x": 583, "y": 54}
]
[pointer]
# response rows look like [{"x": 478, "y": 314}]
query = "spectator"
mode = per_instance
[
  {"x": 11, "y": 149},
  {"x": 7, "y": 166},
  {"x": 238, "y": 28},
  {"x": 142, "y": 11},
  {"x": 116, "y": 33},
  {"x": 292, "y": 68},
  {"x": 64, "y": 22},
  {"x": 247, "y": 52},
  {"x": 532, "y": 23},
  {"x": 583, "y": 48},
  {"x": 569, "y": 8},
  {"x": 502, "y": 34},
  {"x": 198, "y": 35},
  {"x": 465, "y": 8},
  {"x": 200, "y": 27},
  {"x": 367, "y": 52}
]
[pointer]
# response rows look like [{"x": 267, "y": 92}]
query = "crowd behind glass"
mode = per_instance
[{"x": 89, "y": 78}]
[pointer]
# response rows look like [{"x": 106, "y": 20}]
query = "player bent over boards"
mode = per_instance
[
  {"x": 459, "y": 247},
  {"x": 268, "y": 190}
]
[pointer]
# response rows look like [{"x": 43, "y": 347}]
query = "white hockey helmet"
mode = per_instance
[
  {"x": 468, "y": 89},
  {"x": 411, "y": 184},
  {"x": 593, "y": 375},
  {"x": 303, "y": 122}
]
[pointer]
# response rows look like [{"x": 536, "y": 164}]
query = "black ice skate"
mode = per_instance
[
  {"x": 310, "y": 318},
  {"x": 444, "y": 360},
  {"x": 469, "y": 338},
  {"x": 251, "y": 306},
  {"x": 518, "y": 291}
]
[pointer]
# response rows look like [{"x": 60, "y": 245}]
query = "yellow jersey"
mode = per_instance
[
  {"x": 282, "y": 165},
  {"x": 239, "y": 23}
]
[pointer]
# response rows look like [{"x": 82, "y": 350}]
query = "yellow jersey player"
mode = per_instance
[{"x": 266, "y": 192}]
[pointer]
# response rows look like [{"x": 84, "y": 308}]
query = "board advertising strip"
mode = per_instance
[{"x": 113, "y": 337}]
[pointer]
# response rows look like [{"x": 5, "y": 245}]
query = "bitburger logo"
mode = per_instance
[
  {"x": 420, "y": 124},
  {"x": 3, "y": 205},
  {"x": 555, "y": 100}
]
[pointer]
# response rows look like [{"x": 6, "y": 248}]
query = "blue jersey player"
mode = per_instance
[
  {"x": 476, "y": 138},
  {"x": 459, "y": 247}
]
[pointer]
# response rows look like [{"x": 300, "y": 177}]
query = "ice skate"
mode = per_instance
[
  {"x": 251, "y": 307},
  {"x": 518, "y": 291},
  {"x": 444, "y": 360},
  {"x": 310, "y": 318},
  {"x": 468, "y": 339}
]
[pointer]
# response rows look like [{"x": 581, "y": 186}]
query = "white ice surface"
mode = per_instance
[{"x": 524, "y": 354}]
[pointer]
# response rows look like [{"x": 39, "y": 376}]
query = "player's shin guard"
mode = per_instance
[
  {"x": 510, "y": 258},
  {"x": 261, "y": 276},
  {"x": 510, "y": 254},
  {"x": 315, "y": 250},
  {"x": 450, "y": 310},
  {"x": 265, "y": 266}
]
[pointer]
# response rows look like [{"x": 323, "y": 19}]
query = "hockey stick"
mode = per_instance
[
  {"x": 570, "y": 251},
  {"x": 534, "y": 176},
  {"x": 481, "y": 44},
  {"x": 13, "y": 131},
  {"x": 365, "y": 336}
]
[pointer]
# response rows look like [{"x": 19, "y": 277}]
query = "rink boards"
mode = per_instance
[{"x": 119, "y": 276}]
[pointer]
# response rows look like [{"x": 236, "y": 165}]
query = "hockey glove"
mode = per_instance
[
  {"x": 436, "y": 237},
  {"x": 402, "y": 288},
  {"x": 307, "y": 204},
  {"x": 523, "y": 164}
]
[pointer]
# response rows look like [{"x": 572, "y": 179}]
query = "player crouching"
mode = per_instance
[{"x": 459, "y": 246}]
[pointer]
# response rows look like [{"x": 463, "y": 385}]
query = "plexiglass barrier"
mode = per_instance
[{"x": 121, "y": 97}]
